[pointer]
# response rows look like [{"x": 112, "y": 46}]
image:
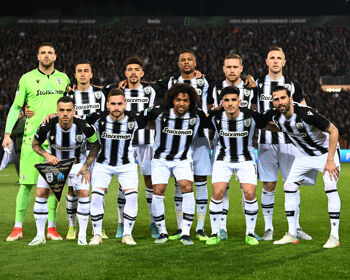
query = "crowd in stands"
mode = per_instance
[{"x": 311, "y": 52}]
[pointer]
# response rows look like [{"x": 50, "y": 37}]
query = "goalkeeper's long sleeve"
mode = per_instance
[{"x": 12, "y": 118}]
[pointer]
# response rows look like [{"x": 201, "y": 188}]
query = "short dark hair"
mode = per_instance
[
  {"x": 174, "y": 91},
  {"x": 281, "y": 88},
  {"x": 65, "y": 99},
  {"x": 116, "y": 92},
  {"x": 233, "y": 56},
  {"x": 82, "y": 61},
  {"x": 46, "y": 44},
  {"x": 133, "y": 60},
  {"x": 187, "y": 51},
  {"x": 230, "y": 90}
]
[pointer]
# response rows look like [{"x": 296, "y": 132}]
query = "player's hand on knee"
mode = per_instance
[
  {"x": 85, "y": 173},
  {"x": 332, "y": 170},
  {"x": 28, "y": 113}
]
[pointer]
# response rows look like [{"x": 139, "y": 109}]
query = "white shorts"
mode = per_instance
[
  {"x": 245, "y": 172},
  {"x": 162, "y": 170},
  {"x": 73, "y": 180},
  {"x": 272, "y": 157},
  {"x": 127, "y": 175},
  {"x": 202, "y": 164},
  {"x": 143, "y": 154},
  {"x": 306, "y": 167}
]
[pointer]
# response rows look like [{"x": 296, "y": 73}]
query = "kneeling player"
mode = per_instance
[
  {"x": 66, "y": 134},
  {"x": 234, "y": 128},
  {"x": 116, "y": 129}
]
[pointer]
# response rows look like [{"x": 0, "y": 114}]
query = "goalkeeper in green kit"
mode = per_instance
[{"x": 40, "y": 89}]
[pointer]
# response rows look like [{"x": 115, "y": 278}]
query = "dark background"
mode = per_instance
[{"x": 176, "y": 8}]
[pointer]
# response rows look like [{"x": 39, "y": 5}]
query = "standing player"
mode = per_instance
[
  {"x": 176, "y": 125},
  {"x": 274, "y": 148},
  {"x": 234, "y": 153},
  {"x": 116, "y": 128},
  {"x": 200, "y": 146},
  {"x": 87, "y": 99},
  {"x": 139, "y": 96},
  {"x": 316, "y": 138},
  {"x": 232, "y": 68},
  {"x": 66, "y": 135},
  {"x": 40, "y": 89}
]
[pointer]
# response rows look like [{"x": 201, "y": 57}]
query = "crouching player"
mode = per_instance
[
  {"x": 65, "y": 134},
  {"x": 234, "y": 127}
]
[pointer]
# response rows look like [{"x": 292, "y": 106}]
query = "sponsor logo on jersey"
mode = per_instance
[
  {"x": 115, "y": 136},
  {"x": 264, "y": 97},
  {"x": 137, "y": 100},
  {"x": 87, "y": 106},
  {"x": 64, "y": 149},
  {"x": 233, "y": 134},
  {"x": 297, "y": 135},
  {"x": 177, "y": 131},
  {"x": 48, "y": 92}
]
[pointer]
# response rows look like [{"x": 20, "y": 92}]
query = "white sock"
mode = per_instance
[
  {"x": 298, "y": 210},
  {"x": 251, "y": 213},
  {"x": 130, "y": 211},
  {"x": 40, "y": 215},
  {"x": 158, "y": 213},
  {"x": 97, "y": 210},
  {"x": 291, "y": 206},
  {"x": 188, "y": 207},
  {"x": 225, "y": 205},
  {"x": 83, "y": 213},
  {"x": 215, "y": 211},
  {"x": 71, "y": 207},
  {"x": 121, "y": 205},
  {"x": 178, "y": 205},
  {"x": 202, "y": 203},
  {"x": 334, "y": 211},
  {"x": 149, "y": 194},
  {"x": 267, "y": 204}
]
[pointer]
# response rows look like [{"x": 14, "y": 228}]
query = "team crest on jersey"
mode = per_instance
[
  {"x": 49, "y": 177},
  {"x": 246, "y": 92},
  {"x": 98, "y": 94},
  {"x": 247, "y": 122},
  {"x": 131, "y": 125},
  {"x": 59, "y": 81},
  {"x": 79, "y": 138},
  {"x": 193, "y": 121},
  {"x": 299, "y": 125},
  {"x": 288, "y": 86},
  {"x": 200, "y": 82},
  {"x": 147, "y": 89},
  {"x": 199, "y": 91},
  {"x": 244, "y": 103}
]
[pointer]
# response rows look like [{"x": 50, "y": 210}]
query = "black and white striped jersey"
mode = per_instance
[
  {"x": 305, "y": 128},
  {"x": 200, "y": 84},
  {"x": 235, "y": 136},
  {"x": 245, "y": 94},
  {"x": 174, "y": 135},
  {"x": 116, "y": 139},
  {"x": 264, "y": 101},
  {"x": 65, "y": 144},
  {"x": 87, "y": 102}
]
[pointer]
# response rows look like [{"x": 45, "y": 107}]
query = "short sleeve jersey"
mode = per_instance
[{"x": 41, "y": 93}]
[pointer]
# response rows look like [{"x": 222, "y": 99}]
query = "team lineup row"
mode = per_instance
[{"x": 177, "y": 144}]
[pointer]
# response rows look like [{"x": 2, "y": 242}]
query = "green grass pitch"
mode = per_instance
[{"x": 231, "y": 259}]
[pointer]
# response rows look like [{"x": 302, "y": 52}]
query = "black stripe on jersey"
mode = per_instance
[
  {"x": 300, "y": 143},
  {"x": 52, "y": 138},
  {"x": 85, "y": 100},
  {"x": 190, "y": 137},
  {"x": 232, "y": 126},
  {"x": 163, "y": 137},
  {"x": 134, "y": 106},
  {"x": 115, "y": 146},
  {"x": 102, "y": 127},
  {"x": 176, "y": 140}
]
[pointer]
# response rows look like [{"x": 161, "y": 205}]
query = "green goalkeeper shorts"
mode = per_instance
[{"x": 28, "y": 173}]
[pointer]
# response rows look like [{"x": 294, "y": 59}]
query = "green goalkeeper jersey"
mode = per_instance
[{"x": 41, "y": 93}]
